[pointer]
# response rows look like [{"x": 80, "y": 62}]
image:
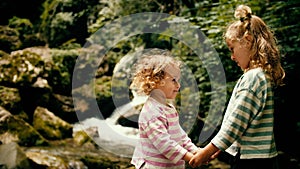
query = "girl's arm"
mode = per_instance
[
  {"x": 204, "y": 155},
  {"x": 188, "y": 156}
]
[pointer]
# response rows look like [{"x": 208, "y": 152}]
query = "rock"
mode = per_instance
[
  {"x": 10, "y": 99},
  {"x": 51, "y": 126},
  {"x": 62, "y": 106},
  {"x": 81, "y": 137},
  {"x": 67, "y": 154},
  {"x": 47, "y": 159},
  {"x": 14, "y": 129},
  {"x": 12, "y": 156},
  {"x": 129, "y": 117}
]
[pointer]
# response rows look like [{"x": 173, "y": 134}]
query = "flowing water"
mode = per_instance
[{"x": 111, "y": 136}]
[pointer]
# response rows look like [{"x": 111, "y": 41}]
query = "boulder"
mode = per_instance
[
  {"x": 51, "y": 126},
  {"x": 12, "y": 156},
  {"x": 14, "y": 129}
]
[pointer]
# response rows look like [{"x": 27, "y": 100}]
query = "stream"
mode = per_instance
[{"x": 111, "y": 136}]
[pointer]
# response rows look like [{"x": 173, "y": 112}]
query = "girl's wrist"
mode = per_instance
[
  {"x": 187, "y": 156},
  {"x": 211, "y": 149}
]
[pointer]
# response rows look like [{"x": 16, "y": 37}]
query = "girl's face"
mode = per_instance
[
  {"x": 240, "y": 53},
  {"x": 170, "y": 84}
]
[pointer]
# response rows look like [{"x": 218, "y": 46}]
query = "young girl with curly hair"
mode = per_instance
[
  {"x": 162, "y": 142},
  {"x": 247, "y": 130}
]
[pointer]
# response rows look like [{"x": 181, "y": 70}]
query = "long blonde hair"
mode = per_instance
[{"x": 264, "y": 49}]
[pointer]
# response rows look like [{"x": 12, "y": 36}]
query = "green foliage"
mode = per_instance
[
  {"x": 59, "y": 27},
  {"x": 62, "y": 21},
  {"x": 23, "y": 25},
  {"x": 108, "y": 10},
  {"x": 69, "y": 45},
  {"x": 9, "y": 39},
  {"x": 113, "y": 9},
  {"x": 103, "y": 87},
  {"x": 104, "y": 95},
  {"x": 60, "y": 73},
  {"x": 283, "y": 19},
  {"x": 185, "y": 103},
  {"x": 27, "y": 34}
]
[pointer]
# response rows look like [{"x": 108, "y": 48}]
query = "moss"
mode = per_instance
[
  {"x": 81, "y": 137},
  {"x": 98, "y": 162},
  {"x": 50, "y": 126},
  {"x": 9, "y": 39},
  {"x": 27, "y": 135}
]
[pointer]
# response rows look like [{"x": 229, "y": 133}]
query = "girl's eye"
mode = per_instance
[{"x": 175, "y": 81}]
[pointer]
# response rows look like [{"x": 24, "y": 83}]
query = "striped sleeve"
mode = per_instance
[
  {"x": 242, "y": 112},
  {"x": 247, "y": 101},
  {"x": 187, "y": 143},
  {"x": 156, "y": 131}
]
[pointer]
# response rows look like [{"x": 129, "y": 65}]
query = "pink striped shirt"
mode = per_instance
[{"x": 163, "y": 143}]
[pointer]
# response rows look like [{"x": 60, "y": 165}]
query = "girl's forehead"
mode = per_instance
[
  {"x": 229, "y": 41},
  {"x": 172, "y": 70}
]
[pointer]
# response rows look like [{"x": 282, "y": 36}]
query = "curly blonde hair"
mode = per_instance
[
  {"x": 149, "y": 70},
  {"x": 264, "y": 49}
]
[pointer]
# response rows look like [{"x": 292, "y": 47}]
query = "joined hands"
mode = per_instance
[{"x": 203, "y": 156}]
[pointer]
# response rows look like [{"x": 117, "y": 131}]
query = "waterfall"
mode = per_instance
[{"x": 112, "y": 136}]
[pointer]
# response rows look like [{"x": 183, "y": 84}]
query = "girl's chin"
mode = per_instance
[{"x": 172, "y": 97}]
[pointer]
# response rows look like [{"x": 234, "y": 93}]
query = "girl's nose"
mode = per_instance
[
  {"x": 232, "y": 57},
  {"x": 178, "y": 85}
]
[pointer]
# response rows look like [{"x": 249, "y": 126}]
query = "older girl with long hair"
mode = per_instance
[{"x": 247, "y": 130}]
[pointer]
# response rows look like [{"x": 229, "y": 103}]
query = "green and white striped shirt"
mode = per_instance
[{"x": 248, "y": 122}]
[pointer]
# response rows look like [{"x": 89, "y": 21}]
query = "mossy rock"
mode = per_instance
[
  {"x": 15, "y": 129},
  {"x": 51, "y": 126}
]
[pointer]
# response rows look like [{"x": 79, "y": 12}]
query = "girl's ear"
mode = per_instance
[
  {"x": 248, "y": 38},
  {"x": 162, "y": 82},
  {"x": 248, "y": 41}
]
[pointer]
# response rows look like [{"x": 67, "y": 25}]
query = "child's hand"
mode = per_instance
[
  {"x": 197, "y": 159},
  {"x": 199, "y": 149},
  {"x": 214, "y": 156},
  {"x": 204, "y": 155}
]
